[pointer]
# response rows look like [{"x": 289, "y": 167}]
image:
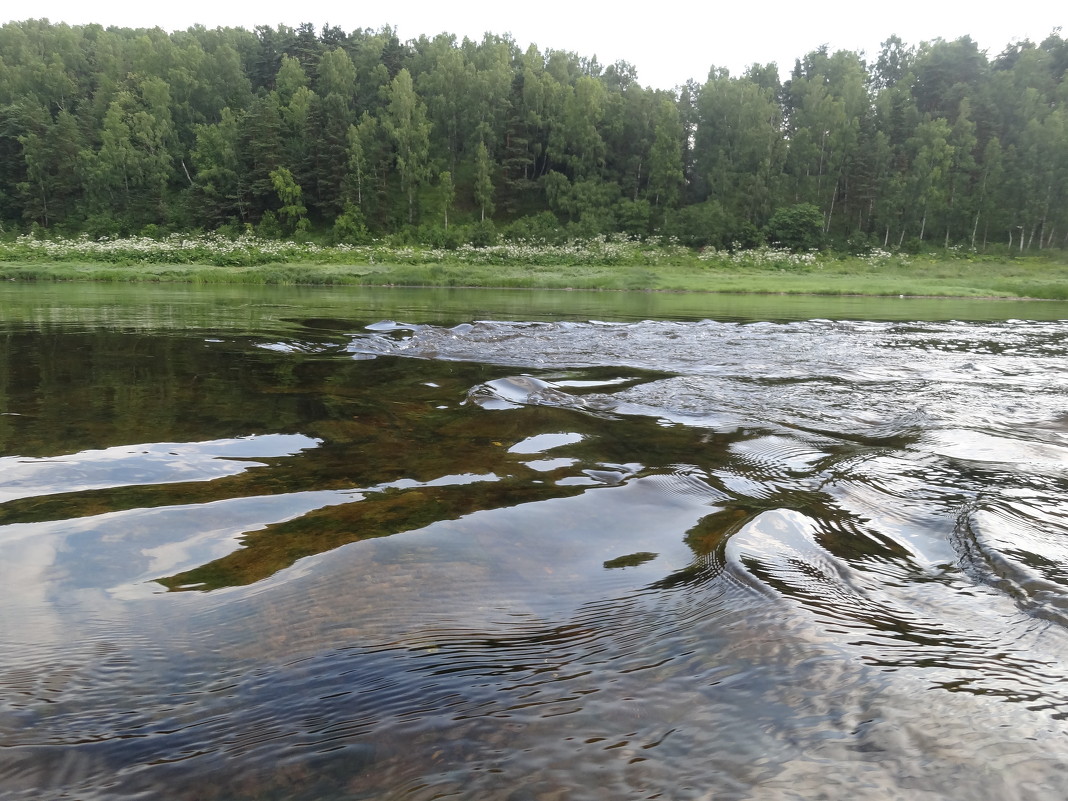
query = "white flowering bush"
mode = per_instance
[
  {"x": 878, "y": 257},
  {"x": 173, "y": 249},
  {"x": 248, "y": 249},
  {"x": 765, "y": 257}
]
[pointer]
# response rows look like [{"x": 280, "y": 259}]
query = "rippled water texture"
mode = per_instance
[{"x": 535, "y": 560}]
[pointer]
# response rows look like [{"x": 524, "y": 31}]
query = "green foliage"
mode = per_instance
[
  {"x": 633, "y": 216},
  {"x": 290, "y": 195},
  {"x": 350, "y": 227},
  {"x": 447, "y": 193},
  {"x": 439, "y": 237},
  {"x": 109, "y": 130},
  {"x": 268, "y": 226},
  {"x": 607, "y": 263},
  {"x": 407, "y": 126},
  {"x": 542, "y": 229},
  {"x": 483, "y": 234},
  {"x": 798, "y": 227},
  {"x": 700, "y": 225},
  {"x": 483, "y": 188}
]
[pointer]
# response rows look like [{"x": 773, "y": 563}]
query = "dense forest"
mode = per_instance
[{"x": 298, "y": 132}]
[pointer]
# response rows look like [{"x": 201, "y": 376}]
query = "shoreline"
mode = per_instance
[
  {"x": 929, "y": 279},
  {"x": 492, "y": 287}
]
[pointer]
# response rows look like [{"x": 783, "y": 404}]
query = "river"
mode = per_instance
[{"x": 389, "y": 544}]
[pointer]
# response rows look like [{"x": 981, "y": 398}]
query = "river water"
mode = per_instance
[{"x": 351, "y": 545}]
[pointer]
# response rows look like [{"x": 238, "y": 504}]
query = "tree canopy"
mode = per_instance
[{"x": 109, "y": 130}]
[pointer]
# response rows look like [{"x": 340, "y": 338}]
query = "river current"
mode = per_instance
[{"x": 556, "y": 559}]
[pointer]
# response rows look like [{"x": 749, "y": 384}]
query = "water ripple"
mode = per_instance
[{"x": 691, "y": 560}]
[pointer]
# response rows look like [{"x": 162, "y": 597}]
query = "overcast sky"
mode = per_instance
[{"x": 668, "y": 41}]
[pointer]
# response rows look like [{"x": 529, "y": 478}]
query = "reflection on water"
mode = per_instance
[{"x": 534, "y": 560}]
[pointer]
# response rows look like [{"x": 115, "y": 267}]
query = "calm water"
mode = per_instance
[{"x": 310, "y": 545}]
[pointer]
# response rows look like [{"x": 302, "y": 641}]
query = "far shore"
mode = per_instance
[{"x": 1016, "y": 279}]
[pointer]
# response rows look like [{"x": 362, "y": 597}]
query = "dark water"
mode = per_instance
[{"x": 270, "y": 549}]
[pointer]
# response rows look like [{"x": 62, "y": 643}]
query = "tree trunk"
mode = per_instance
[
  {"x": 830, "y": 211},
  {"x": 44, "y": 203}
]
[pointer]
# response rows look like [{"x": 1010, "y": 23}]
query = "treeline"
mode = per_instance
[{"x": 301, "y": 132}]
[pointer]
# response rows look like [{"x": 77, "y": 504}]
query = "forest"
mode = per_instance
[{"x": 345, "y": 137}]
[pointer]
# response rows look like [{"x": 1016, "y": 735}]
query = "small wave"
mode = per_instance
[
  {"x": 523, "y": 390},
  {"x": 1019, "y": 543}
]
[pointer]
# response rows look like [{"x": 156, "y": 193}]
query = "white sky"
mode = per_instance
[{"x": 667, "y": 41}]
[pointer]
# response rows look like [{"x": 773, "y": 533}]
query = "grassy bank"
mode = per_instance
[{"x": 595, "y": 264}]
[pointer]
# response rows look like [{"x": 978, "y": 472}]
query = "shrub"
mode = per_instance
[
  {"x": 798, "y": 227},
  {"x": 350, "y": 227},
  {"x": 483, "y": 234},
  {"x": 541, "y": 228},
  {"x": 269, "y": 227}
]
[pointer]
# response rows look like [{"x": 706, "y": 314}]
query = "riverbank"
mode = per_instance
[{"x": 596, "y": 264}]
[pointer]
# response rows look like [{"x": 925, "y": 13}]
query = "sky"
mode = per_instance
[{"x": 668, "y": 41}]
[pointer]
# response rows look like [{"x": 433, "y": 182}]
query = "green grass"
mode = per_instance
[
  {"x": 987, "y": 280},
  {"x": 620, "y": 265}
]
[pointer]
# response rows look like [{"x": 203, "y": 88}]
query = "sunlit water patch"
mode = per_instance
[{"x": 522, "y": 560}]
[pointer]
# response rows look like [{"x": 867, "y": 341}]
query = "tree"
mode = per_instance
[
  {"x": 260, "y": 152},
  {"x": 446, "y": 85},
  {"x": 51, "y": 152},
  {"x": 448, "y": 194},
  {"x": 291, "y": 197},
  {"x": 575, "y": 137},
  {"x": 665, "y": 157},
  {"x": 407, "y": 125},
  {"x": 133, "y": 166},
  {"x": 827, "y": 106},
  {"x": 217, "y": 183},
  {"x": 932, "y": 159},
  {"x": 337, "y": 75},
  {"x": 370, "y": 159},
  {"x": 331, "y": 151},
  {"x": 483, "y": 180},
  {"x": 738, "y": 148},
  {"x": 893, "y": 63},
  {"x": 289, "y": 79}
]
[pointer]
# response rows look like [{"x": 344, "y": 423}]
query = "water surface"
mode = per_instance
[{"x": 341, "y": 545}]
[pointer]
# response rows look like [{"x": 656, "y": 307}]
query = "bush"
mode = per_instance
[
  {"x": 269, "y": 227},
  {"x": 438, "y": 236},
  {"x": 593, "y": 223},
  {"x": 350, "y": 227},
  {"x": 700, "y": 225},
  {"x": 633, "y": 216},
  {"x": 746, "y": 236},
  {"x": 483, "y": 234},
  {"x": 541, "y": 228},
  {"x": 798, "y": 227}
]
